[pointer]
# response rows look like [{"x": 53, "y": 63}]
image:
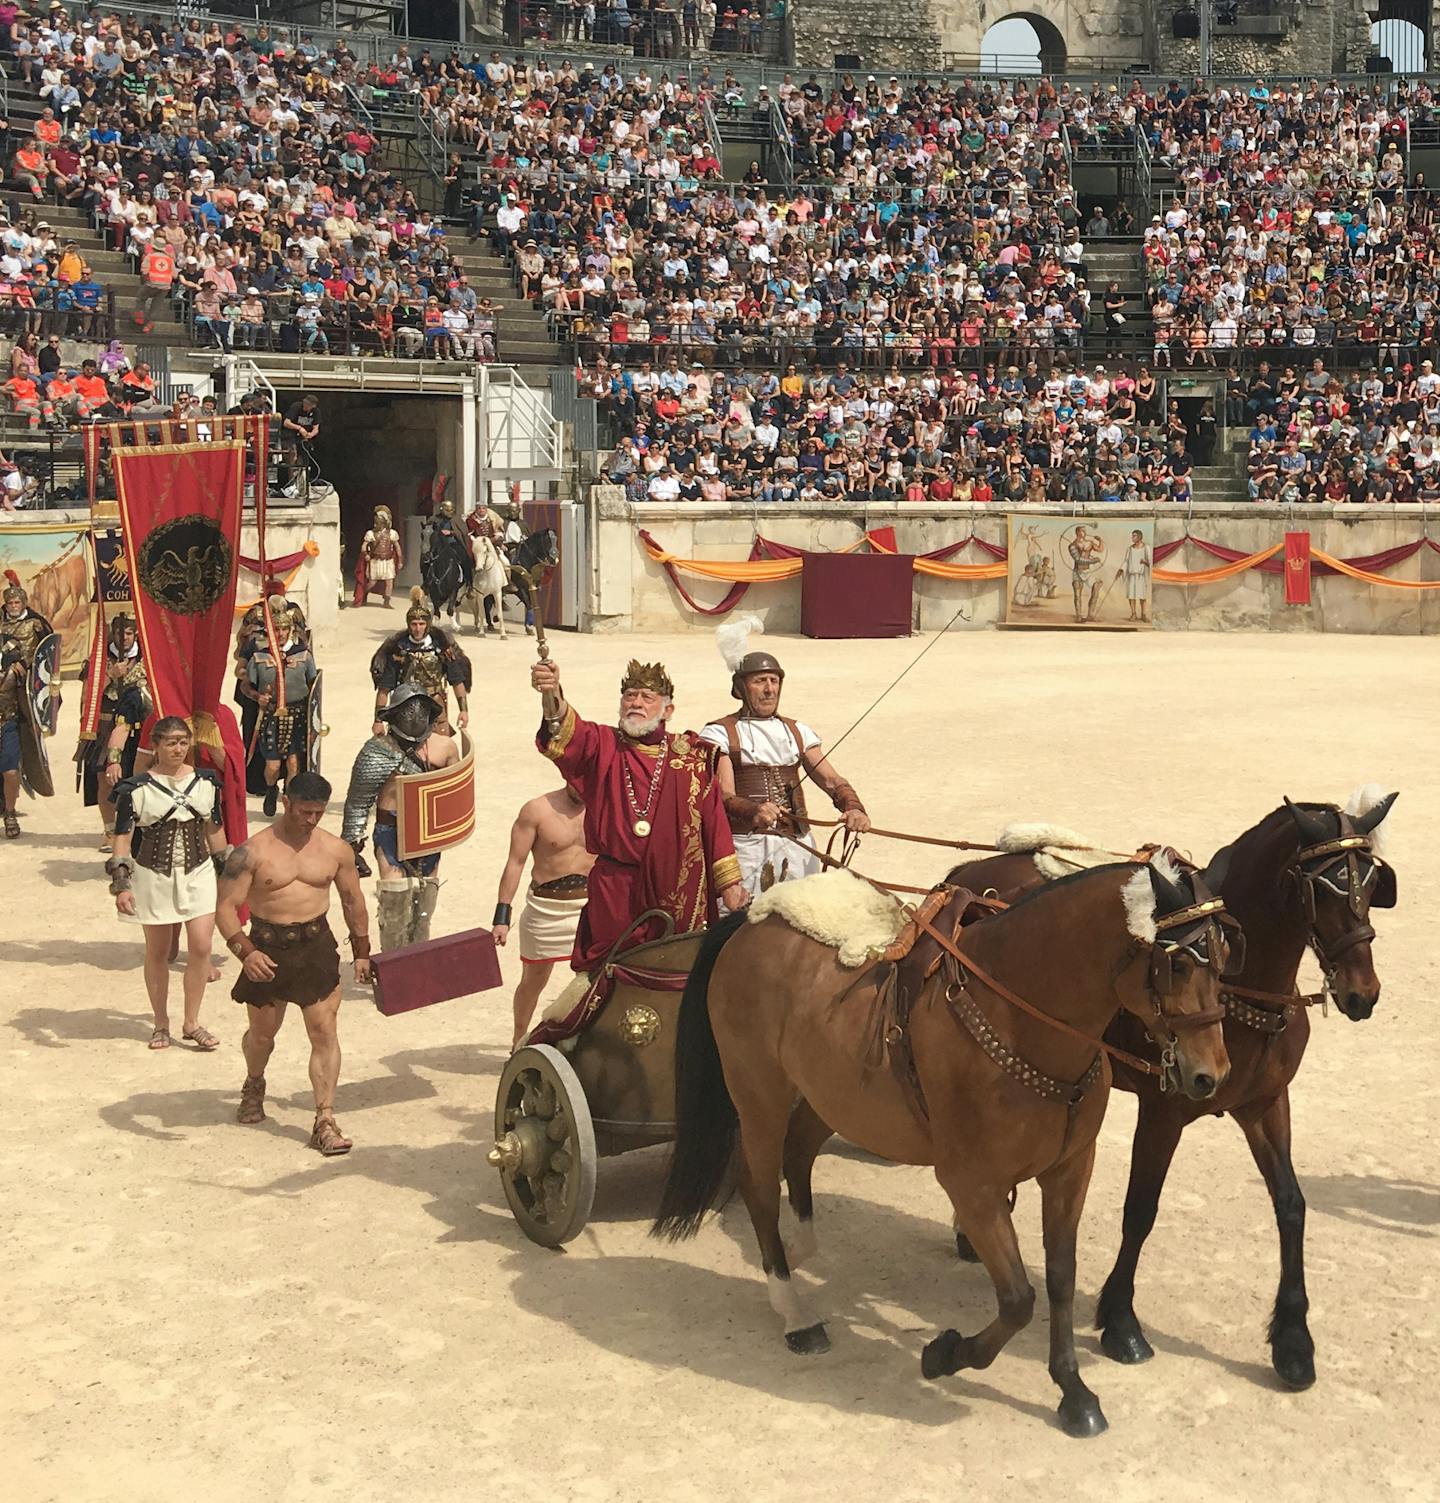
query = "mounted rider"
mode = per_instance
[
  {"x": 764, "y": 760},
  {"x": 447, "y": 564},
  {"x": 426, "y": 656},
  {"x": 407, "y": 740}
]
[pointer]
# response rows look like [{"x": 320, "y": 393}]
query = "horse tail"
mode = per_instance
[{"x": 705, "y": 1119}]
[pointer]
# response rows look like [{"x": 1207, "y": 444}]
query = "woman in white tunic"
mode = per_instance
[{"x": 169, "y": 845}]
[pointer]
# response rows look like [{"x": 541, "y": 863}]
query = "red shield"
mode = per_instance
[{"x": 435, "y": 810}]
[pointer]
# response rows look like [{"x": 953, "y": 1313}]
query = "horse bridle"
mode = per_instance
[
  {"x": 1212, "y": 938},
  {"x": 1336, "y": 865}
]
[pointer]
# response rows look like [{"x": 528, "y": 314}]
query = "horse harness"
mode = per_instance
[
  {"x": 1195, "y": 930},
  {"x": 1336, "y": 865}
]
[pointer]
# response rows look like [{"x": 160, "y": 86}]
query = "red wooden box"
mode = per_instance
[{"x": 438, "y": 970}]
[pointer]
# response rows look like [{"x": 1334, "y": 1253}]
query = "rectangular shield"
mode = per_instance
[
  {"x": 436, "y": 970},
  {"x": 435, "y": 810}
]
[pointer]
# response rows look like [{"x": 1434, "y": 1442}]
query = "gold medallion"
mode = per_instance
[{"x": 642, "y": 827}]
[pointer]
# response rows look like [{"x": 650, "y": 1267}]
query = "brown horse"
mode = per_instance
[
  {"x": 991, "y": 1092},
  {"x": 1306, "y": 875}
]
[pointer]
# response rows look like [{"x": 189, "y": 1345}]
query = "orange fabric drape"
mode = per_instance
[
  {"x": 1219, "y": 572},
  {"x": 1368, "y": 578},
  {"x": 739, "y": 571}
]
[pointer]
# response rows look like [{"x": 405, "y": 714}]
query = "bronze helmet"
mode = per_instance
[{"x": 754, "y": 662}]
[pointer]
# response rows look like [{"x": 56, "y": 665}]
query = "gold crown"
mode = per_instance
[{"x": 651, "y": 676}]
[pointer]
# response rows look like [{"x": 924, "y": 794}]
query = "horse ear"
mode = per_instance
[
  {"x": 1366, "y": 822},
  {"x": 1169, "y": 896},
  {"x": 1311, "y": 826}
]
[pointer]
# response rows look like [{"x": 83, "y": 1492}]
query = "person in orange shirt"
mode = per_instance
[
  {"x": 47, "y": 127},
  {"x": 70, "y": 268},
  {"x": 64, "y": 398},
  {"x": 31, "y": 168},
  {"x": 25, "y": 398},
  {"x": 92, "y": 389},
  {"x": 157, "y": 277}
]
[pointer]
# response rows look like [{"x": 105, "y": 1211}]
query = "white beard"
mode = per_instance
[{"x": 637, "y": 730}]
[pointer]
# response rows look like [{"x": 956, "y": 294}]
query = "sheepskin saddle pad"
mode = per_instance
[
  {"x": 1056, "y": 851},
  {"x": 839, "y": 910}
]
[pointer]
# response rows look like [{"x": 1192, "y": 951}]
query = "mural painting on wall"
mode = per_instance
[{"x": 1068, "y": 572}]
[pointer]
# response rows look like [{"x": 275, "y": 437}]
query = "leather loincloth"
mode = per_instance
[{"x": 307, "y": 964}]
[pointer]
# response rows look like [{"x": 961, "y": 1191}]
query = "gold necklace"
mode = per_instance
[{"x": 641, "y": 824}]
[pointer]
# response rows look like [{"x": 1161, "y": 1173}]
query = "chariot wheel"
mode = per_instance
[{"x": 544, "y": 1145}]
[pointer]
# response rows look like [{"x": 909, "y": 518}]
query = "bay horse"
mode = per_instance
[
  {"x": 1004, "y": 1078},
  {"x": 1306, "y": 876}
]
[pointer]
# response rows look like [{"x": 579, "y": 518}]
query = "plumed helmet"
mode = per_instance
[
  {"x": 754, "y": 662},
  {"x": 447, "y": 508},
  {"x": 649, "y": 676},
  {"x": 419, "y": 610},
  {"x": 410, "y": 712},
  {"x": 119, "y": 625},
  {"x": 382, "y": 517},
  {"x": 14, "y": 590}
]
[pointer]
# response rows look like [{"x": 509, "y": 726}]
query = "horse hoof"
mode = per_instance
[
  {"x": 1293, "y": 1357},
  {"x": 948, "y": 1353},
  {"x": 963, "y": 1249},
  {"x": 1126, "y": 1344},
  {"x": 809, "y": 1342},
  {"x": 1081, "y": 1419}
]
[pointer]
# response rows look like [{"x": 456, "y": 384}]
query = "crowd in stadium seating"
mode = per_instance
[
  {"x": 917, "y": 317},
  {"x": 236, "y": 176}
]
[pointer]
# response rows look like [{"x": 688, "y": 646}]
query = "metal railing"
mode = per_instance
[
  {"x": 782, "y": 144},
  {"x": 1144, "y": 168}
]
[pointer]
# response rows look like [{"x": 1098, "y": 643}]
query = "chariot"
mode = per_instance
[{"x": 596, "y": 1083}]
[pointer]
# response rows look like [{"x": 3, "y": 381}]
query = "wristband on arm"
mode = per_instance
[
  {"x": 502, "y": 915},
  {"x": 240, "y": 947}
]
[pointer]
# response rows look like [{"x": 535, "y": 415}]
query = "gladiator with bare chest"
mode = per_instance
[{"x": 285, "y": 875}]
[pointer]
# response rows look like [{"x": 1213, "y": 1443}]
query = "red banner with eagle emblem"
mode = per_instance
[
  {"x": 1297, "y": 568},
  {"x": 180, "y": 515}
]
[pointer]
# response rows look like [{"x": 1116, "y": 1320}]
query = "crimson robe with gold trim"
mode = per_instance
[{"x": 685, "y": 861}]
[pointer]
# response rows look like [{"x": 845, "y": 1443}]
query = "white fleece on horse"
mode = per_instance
[
  {"x": 1042, "y": 842},
  {"x": 836, "y": 909},
  {"x": 1138, "y": 895},
  {"x": 1362, "y": 801}
]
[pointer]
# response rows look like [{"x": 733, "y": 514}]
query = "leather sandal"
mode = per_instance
[
  {"x": 252, "y": 1100},
  {"x": 201, "y": 1037},
  {"x": 327, "y": 1136},
  {"x": 12, "y": 825}
]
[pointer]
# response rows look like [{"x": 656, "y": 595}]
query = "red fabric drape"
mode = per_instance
[
  {"x": 281, "y": 565},
  {"x": 1297, "y": 568},
  {"x": 180, "y": 510}
]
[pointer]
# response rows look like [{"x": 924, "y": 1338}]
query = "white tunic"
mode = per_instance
[
  {"x": 768, "y": 743},
  {"x": 172, "y": 899}
]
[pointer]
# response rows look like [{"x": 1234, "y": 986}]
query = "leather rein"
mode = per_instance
[{"x": 1198, "y": 918}]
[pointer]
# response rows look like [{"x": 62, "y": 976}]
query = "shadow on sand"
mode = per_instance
[{"x": 1407, "y": 1207}]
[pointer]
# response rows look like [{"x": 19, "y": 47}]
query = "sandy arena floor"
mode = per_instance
[{"x": 201, "y": 1310}]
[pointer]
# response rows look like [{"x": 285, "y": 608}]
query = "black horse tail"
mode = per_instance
[{"x": 705, "y": 1120}]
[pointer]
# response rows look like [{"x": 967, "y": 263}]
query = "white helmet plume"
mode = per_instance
[{"x": 733, "y": 638}]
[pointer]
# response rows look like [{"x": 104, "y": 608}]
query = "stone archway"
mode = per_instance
[{"x": 1001, "y": 52}]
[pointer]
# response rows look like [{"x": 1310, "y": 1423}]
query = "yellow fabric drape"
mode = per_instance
[
  {"x": 1368, "y": 578},
  {"x": 1219, "y": 572}
]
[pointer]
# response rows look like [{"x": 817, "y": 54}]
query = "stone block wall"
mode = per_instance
[
  {"x": 894, "y": 35},
  {"x": 1326, "y": 36}
]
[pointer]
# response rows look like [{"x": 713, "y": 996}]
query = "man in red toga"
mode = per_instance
[{"x": 654, "y": 816}]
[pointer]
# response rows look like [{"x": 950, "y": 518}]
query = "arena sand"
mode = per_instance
[{"x": 201, "y": 1310}]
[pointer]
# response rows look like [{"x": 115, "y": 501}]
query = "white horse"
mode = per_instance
[{"x": 491, "y": 577}]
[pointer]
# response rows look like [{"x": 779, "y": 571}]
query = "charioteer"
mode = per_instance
[
  {"x": 763, "y": 761},
  {"x": 654, "y": 819}
]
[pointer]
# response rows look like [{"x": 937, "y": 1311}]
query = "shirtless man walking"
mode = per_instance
[
  {"x": 285, "y": 874},
  {"x": 549, "y": 832}
]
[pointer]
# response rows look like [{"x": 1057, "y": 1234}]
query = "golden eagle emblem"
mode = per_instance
[{"x": 186, "y": 564}]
